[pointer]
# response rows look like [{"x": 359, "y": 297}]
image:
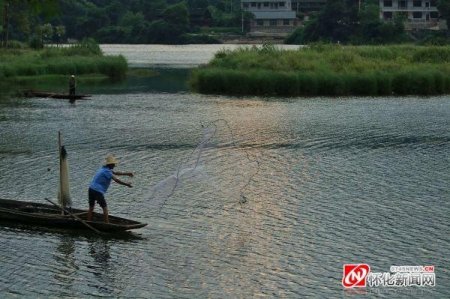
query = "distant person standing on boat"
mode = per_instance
[
  {"x": 100, "y": 183},
  {"x": 72, "y": 85}
]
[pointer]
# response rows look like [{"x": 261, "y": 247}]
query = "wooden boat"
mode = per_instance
[
  {"x": 52, "y": 95},
  {"x": 50, "y": 216}
]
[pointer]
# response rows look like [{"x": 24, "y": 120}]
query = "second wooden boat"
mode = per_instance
[{"x": 52, "y": 95}]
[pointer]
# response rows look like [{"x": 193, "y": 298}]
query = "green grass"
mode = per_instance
[
  {"x": 59, "y": 61},
  {"x": 327, "y": 70}
]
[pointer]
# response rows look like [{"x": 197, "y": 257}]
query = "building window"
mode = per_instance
[
  {"x": 266, "y": 4},
  {"x": 286, "y": 22},
  {"x": 434, "y": 15},
  {"x": 417, "y": 15},
  {"x": 387, "y": 3},
  {"x": 402, "y": 4},
  {"x": 281, "y": 4},
  {"x": 253, "y": 4},
  {"x": 260, "y": 22},
  {"x": 245, "y": 5},
  {"x": 417, "y": 3},
  {"x": 387, "y": 15},
  {"x": 273, "y": 22},
  {"x": 433, "y": 3}
]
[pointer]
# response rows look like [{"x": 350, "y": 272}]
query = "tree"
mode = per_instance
[
  {"x": 5, "y": 23},
  {"x": 152, "y": 10},
  {"x": 20, "y": 7},
  {"x": 158, "y": 32},
  {"x": 177, "y": 15},
  {"x": 176, "y": 18},
  {"x": 444, "y": 9},
  {"x": 46, "y": 31},
  {"x": 337, "y": 22},
  {"x": 134, "y": 24},
  {"x": 195, "y": 4},
  {"x": 60, "y": 31},
  {"x": 348, "y": 22},
  {"x": 372, "y": 30}
]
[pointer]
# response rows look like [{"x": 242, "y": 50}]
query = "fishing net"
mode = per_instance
[
  {"x": 217, "y": 167},
  {"x": 64, "y": 198}
]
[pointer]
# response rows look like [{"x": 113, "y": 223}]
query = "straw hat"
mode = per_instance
[{"x": 110, "y": 159}]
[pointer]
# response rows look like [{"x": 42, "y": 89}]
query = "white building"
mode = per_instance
[
  {"x": 274, "y": 17},
  {"x": 420, "y": 14}
]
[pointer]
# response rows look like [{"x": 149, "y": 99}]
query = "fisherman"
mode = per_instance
[
  {"x": 100, "y": 184},
  {"x": 72, "y": 85}
]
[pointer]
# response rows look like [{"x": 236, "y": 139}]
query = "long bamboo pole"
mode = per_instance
[
  {"x": 76, "y": 217},
  {"x": 60, "y": 171}
]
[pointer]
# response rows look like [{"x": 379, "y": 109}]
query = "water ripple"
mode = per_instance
[{"x": 336, "y": 182}]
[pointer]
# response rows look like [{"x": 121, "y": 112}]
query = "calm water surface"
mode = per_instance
[
  {"x": 172, "y": 56},
  {"x": 337, "y": 181}
]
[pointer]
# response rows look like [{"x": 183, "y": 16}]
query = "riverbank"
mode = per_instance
[
  {"x": 331, "y": 70},
  {"x": 55, "y": 64},
  {"x": 256, "y": 39}
]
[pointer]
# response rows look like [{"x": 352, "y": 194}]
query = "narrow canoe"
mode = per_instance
[
  {"x": 43, "y": 94},
  {"x": 47, "y": 215}
]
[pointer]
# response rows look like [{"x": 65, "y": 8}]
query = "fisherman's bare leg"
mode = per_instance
[
  {"x": 90, "y": 212},
  {"x": 105, "y": 214}
]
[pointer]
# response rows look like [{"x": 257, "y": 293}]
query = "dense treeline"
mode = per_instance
[
  {"x": 187, "y": 21},
  {"x": 353, "y": 22},
  {"x": 118, "y": 21}
]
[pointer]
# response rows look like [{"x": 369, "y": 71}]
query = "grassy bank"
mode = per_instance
[
  {"x": 327, "y": 70},
  {"x": 54, "y": 62}
]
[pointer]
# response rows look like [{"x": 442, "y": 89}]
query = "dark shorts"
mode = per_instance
[{"x": 95, "y": 196}]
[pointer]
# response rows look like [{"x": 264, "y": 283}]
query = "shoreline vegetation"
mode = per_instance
[
  {"x": 326, "y": 70},
  {"x": 26, "y": 67}
]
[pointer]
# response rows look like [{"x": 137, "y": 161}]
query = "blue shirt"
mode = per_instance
[{"x": 102, "y": 179}]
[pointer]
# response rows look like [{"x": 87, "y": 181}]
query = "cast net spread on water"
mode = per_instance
[{"x": 217, "y": 163}]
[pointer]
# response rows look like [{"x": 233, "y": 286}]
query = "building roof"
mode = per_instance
[{"x": 287, "y": 14}]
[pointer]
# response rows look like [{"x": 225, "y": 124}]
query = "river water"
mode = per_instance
[{"x": 281, "y": 194}]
